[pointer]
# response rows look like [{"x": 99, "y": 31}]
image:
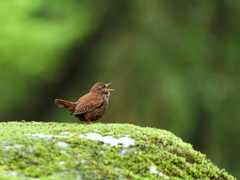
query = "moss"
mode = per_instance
[{"x": 98, "y": 151}]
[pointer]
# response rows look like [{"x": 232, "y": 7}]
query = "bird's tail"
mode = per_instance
[{"x": 67, "y": 104}]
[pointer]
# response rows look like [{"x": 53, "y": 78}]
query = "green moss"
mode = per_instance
[{"x": 65, "y": 151}]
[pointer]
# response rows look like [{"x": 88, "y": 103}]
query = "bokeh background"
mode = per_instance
[{"x": 174, "y": 65}]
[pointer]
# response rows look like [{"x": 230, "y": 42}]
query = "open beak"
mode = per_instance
[{"x": 108, "y": 85}]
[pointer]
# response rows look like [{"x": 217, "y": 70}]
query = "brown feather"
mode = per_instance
[
  {"x": 67, "y": 104},
  {"x": 87, "y": 103}
]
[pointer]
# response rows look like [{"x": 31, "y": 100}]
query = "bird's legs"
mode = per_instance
[{"x": 89, "y": 121}]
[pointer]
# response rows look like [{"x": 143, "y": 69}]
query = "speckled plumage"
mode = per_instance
[{"x": 91, "y": 106}]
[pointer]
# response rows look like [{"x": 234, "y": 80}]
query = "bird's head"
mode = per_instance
[{"x": 101, "y": 88}]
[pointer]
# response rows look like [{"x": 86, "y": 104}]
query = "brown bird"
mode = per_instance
[{"x": 91, "y": 106}]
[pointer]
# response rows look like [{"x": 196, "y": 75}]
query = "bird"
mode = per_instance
[{"x": 91, "y": 106}]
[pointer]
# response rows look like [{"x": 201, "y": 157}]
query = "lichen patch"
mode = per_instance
[{"x": 109, "y": 140}]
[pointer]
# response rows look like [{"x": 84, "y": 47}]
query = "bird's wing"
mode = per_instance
[{"x": 88, "y": 103}]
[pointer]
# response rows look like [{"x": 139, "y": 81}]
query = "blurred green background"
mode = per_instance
[{"x": 174, "y": 65}]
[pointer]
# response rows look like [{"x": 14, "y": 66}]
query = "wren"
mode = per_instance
[{"x": 91, "y": 106}]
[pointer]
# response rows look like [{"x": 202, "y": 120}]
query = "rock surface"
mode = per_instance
[{"x": 33, "y": 150}]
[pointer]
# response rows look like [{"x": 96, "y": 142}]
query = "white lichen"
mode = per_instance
[{"x": 109, "y": 140}]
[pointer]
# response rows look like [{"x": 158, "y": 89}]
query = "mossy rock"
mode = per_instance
[{"x": 32, "y": 150}]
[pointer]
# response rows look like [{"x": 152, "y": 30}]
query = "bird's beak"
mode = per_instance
[{"x": 108, "y": 85}]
